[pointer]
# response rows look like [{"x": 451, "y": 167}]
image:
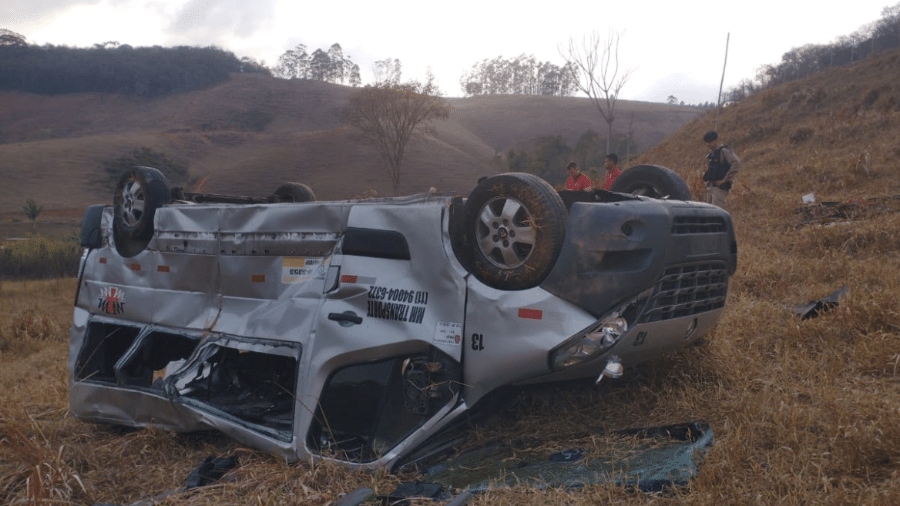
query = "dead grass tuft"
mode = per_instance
[
  {"x": 36, "y": 471},
  {"x": 27, "y": 331}
]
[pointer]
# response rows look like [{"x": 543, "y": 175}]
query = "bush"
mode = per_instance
[{"x": 39, "y": 258}]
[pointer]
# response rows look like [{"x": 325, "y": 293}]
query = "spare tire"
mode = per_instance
[
  {"x": 293, "y": 192},
  {"x": 140, "y": 192},
  {"x": 653, "y": 181},
  {"x": 515, "y": 225}
]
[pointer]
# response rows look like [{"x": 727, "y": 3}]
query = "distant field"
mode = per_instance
[{"x": 58, "y": 224}]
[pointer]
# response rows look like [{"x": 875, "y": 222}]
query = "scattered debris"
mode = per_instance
[
  {"x": 812, "y": 308},
  {"x": 646, "y": 459},
  {"x": 355, "y": 498},
  {"x": 209, "y": 471},
  {"x": 414, "y": 489},
  {"x": 828, "y": 212}
]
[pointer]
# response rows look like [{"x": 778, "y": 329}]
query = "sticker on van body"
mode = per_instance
[
  {"x": 296, "y": 270},
  {"x": 447, "y": 333}
]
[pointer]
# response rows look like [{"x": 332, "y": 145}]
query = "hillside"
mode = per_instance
[
  {"x": 835, "y": 134},
  {"x": 252, "y": 133}
]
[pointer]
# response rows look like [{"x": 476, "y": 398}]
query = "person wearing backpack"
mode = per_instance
[{"x": 723, "y": 164}]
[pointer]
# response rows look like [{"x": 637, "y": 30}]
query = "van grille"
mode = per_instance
[
  {"x": 686, "y": 290},
  {"x": 683, "y": 225}
]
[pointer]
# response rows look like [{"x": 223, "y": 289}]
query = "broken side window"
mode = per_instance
[
  {"x": 131, "y": 356},
  {"x": 251, "y": 382},
  {"x": 104, "y": 344},
  {"x": 155, "y": 356}
]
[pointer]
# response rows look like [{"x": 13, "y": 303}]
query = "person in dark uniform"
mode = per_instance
[{"x": 722, "y": 165}]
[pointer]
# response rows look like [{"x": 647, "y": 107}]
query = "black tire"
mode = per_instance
[
  {"x": 91, "y": 235},
  {"x": 294, "y": 192},
  {"x": 140, "y": 192},
  {"x": 514, "y": 225},
  {"x": 653, "y": 181}
]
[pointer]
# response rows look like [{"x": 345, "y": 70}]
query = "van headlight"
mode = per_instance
[{"x": 589, "y": 344}]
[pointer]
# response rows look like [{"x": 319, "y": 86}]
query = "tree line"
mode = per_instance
[
  {"x": 523, "y": 75},
  {"x": 331, "y": 66},
  {"x": 872, "y": 38},
  {"x": 112, "y": 68}
]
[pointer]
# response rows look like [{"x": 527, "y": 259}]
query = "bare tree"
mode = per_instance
[
  {"x": 594, "y": 66},
  {"x": 388, "y": 113}
]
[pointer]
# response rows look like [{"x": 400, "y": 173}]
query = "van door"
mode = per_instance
[{"x": 385, "y": 359}]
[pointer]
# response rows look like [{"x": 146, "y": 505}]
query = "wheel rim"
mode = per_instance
[
  {"x": 132, "y": 203},
  {"x": 505, "y": 232}
]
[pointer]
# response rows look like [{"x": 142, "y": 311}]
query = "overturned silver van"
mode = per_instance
[{"x": 361, "y": 330}]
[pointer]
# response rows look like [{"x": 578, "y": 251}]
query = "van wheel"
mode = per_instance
[
  {"x": 140, "y": 192},
  {"x": 515, "y": 225},
  {"x": 293, "y": 192},
  {"x": 653, "y": 181}
]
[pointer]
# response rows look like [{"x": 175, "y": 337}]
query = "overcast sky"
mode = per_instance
[{"x": 673, "y": 48}]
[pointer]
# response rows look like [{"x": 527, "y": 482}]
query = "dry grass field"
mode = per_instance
[{"x": 803, "y": 411}]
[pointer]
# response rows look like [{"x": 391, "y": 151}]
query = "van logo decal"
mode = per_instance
[{"x": 112, "y": 300}]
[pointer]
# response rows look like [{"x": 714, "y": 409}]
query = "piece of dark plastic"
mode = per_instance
[
  {"x": 210, "y": 470},
  {"x": 355, "y": 498},
  {"x": 410, "y": 489},
  {"x": 813, "y": 308}
]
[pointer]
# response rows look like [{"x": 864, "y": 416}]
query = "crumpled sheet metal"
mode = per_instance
[{"x": 221, "y": 276}]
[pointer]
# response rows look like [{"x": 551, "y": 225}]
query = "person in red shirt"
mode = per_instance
[
  {"x": 612, "y": 169},
  {"x": 577, "y": 181}
]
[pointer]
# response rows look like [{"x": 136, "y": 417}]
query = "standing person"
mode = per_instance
[
  {"x": 577, "y": 181},
  {"x": 611, "y": 164},
  {"x": 723, "y": 164}
]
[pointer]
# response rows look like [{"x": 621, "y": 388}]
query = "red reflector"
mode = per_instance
[
  {"x": 258, "y": 278},
  {"x": 348, "y": 278},
  {"x": 531, "y": 314},
  {"x": 136, "y": 267},
  {"x": 102, "y": 260},
  {"x": 162, "y": 268}
]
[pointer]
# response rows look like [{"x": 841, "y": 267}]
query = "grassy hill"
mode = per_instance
[
  {"x": 835, "y": 134},
  {"x": 254, "y": 132}
]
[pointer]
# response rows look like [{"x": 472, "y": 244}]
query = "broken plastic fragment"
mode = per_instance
[
  {"x": 813, "y": 308},
  {"x": 210, "y": 470}
]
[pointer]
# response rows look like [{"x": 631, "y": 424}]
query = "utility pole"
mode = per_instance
[{"x": 719, "y": 100}]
